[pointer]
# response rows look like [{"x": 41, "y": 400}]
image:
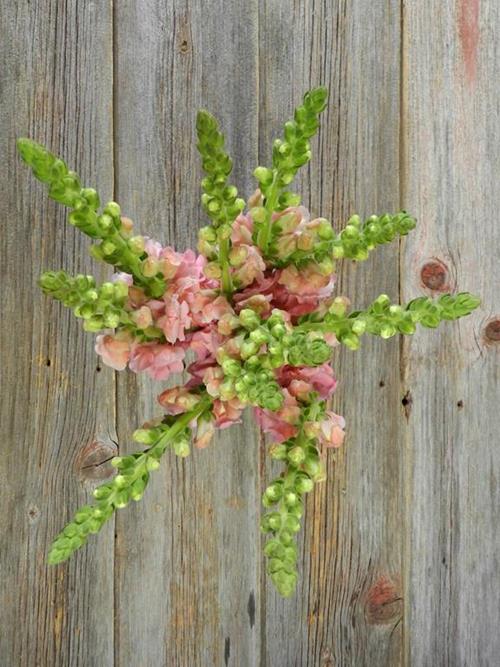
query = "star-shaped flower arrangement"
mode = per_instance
[{"x": 255, "y": 306}]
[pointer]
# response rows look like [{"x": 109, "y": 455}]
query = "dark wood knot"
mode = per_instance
[
  {"x": 384, "y": 603},
  {"x": 94, "y": 460},
  {"x": 434, "y": 275},
  {"x": 492, "y": 331}
]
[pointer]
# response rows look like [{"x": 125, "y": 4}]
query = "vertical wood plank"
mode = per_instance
[
  {"x": 56, "y": 64},
  {"x": 347, "y": 608},
  {"x": 451, "y": 167},
  {"x": 187, "y": 562}
]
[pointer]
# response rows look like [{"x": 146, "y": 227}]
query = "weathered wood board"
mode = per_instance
[
  {"x": 57, "y": 410},
  {"x": 451, "y": 170},
  {"x": 400, "y": 555}
]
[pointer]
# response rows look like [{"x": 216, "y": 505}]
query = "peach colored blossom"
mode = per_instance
[
  {"x": 331, "y": 430},
  {"x": 114, "y": 350},
  {"x": 158, "y": 360},
  {"x": 227, "y": 413},
  {"x": 176, "y": 319},
  {"x": 204, "y": 433},
  {"x": 178, "y": 400}
]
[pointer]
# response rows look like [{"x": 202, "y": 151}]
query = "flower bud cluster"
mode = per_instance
[
  {"x": 219, "y": 199},
  {"x": 286, "y": 496},
  {"x": 262, "y": 346},
  {"x": 133, "y": 471},
  {"x": 294, "y": 150},
  {"x": 101, "y": 307},
  {"x": 109, "y": 227},
  {"x": 386, "y": 319},
  {"x": 296, "y": 239}
]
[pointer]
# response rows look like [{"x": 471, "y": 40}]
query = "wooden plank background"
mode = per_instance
[{"x": 400, "y": 555}]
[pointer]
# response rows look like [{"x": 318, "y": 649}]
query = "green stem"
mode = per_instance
[
  {"x": 269, "y": 206},
  {"x": 178, "y": 427},
  {"x": 227, "y": 283}
]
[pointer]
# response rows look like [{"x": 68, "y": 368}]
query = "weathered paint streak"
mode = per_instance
[{"x": 468, "y": 30}]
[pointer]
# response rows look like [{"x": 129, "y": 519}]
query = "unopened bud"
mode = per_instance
[
  {"x": 136, "y": 244},
  {"x": 150, "y": 267}
]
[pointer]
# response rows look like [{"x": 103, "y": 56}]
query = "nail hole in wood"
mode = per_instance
[
  {"x": 460, "y": 404},
  {"x": 407, "y": 402},
  {"x": 47, "y": 363},
  {"x": 381, "y": 383}
]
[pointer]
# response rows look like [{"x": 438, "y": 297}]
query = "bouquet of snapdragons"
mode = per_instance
[{"x": 252, "y": 317}]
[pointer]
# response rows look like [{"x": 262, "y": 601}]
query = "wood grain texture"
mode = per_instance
[
  {"x": 400, "y": 556},
  {"x": 347, "y": 608},
  {"x": 187, "y": 560},
  {"x": 56, "y": 64},
  {"x": 451, "y": 145}
]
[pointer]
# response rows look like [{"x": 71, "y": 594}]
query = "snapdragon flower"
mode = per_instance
[{"x": 252, "y": 318}]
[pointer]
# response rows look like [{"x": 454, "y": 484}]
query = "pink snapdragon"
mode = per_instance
[
  {"x": 158, "y": 360},
  {"x": 302, "y": 380},
  {"x": 178, "y": 400},
  {"x": 282, "y": 424},
  {"x": 331, "y": 431},
  {"x": 114, "y": 349}
]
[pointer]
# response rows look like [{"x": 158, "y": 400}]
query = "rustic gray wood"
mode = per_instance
[
  {"x": 400, "y": 556},
  {"x": 346, "y": 611},
  {"x": 56, "y": 64},
  {"x": 451, "y": 148},
  {"x": 187, "y": 560}
]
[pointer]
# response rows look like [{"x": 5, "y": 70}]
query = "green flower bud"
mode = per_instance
[
  {"x": 296, "y": 455},
  {"x": 113, "y": 209},
  {"x": 145, "y": 436},
  {"x": 248, "y": 348},
  {"x": 136, "y": 244},
  {"x": 231, "y": 367},
  {"x": 138, "y": 487},
  {"x": 291, "y": 499},
  {"x": 274, "y": 520},
  {"x": 152, "y": 464},
  {"x": 325, "y": 230},
  {"x": 249, "y": 318},
  {"x": 263, "y": 175},
  {"x": 108, "y": 248},
  {"x": 292, "y": 524},
  {"x": 278, "y": 452},
  {"x": 274, "y": 549},
  {"x": 259, "y": 336},
  {"x": 274, "y": 491},
  {"x": 102, "y": 492},
  {"x": 258, "y": 214},
  {"x": 387, "y": 330},
  {"x": 181, "y": 448},
  {"x": 106, "y": 222},
  {"x": 359, "y": 326},
  {"x": 350, "y": 340}
]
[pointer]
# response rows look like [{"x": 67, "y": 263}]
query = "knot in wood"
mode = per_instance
[
  {"x": 384, "y": 603},
  {"x": 492, "y": 331},
  {"x": 94, "y": 460},
  {"x": 434, "y": 275}
]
